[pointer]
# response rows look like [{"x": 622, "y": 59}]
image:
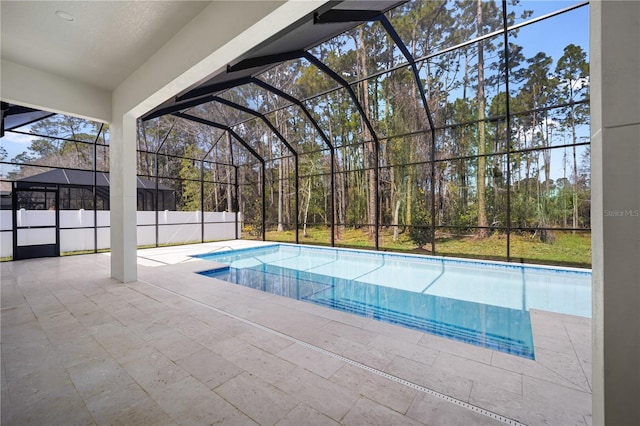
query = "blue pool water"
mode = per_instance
[{"x": 482, "y": 303}]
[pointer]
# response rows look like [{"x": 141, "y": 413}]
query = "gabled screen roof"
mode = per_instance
[{"x": 298, "y": 38}]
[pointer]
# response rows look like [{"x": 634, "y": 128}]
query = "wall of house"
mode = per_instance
[{"x": 615, "y": 210}]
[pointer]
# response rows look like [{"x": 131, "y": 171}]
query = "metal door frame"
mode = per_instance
[{"x": 36, "y": 250}]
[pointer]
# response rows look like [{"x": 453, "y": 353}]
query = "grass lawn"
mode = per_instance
[{"x": 568, "y": 249}]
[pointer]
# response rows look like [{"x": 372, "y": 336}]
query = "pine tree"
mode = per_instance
[{"x": 572, "y": 71}]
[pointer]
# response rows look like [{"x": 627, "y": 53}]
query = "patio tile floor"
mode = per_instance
[{"x": 175, "y": 347}]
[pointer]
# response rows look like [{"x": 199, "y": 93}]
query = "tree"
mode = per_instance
[
  {"x": 572, "y": 71},
  {"x": 66, "y": 142},
  {"x": 482, "y": 160},
  {"x": 190, "y": 175},
  {"x": 424, "y": 26},
  {"x": 537, "y": 91},
  {"x": 369, "y": 146},
  {"x": 419, "y": 231},
  {"x": 479, "y": 18}
]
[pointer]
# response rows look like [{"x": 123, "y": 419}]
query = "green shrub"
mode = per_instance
[{"x": 420, "y": 232}]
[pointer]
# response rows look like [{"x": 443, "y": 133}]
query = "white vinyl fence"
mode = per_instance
[{"x": 77, "y": 228}]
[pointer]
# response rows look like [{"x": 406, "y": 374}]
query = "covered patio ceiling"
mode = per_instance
[
  {"x": 99, "y": 60},
  {"x": 101, "y": 44}
]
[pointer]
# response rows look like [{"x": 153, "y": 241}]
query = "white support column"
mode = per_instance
[
  {"x": 615, "y": 214},
  {"x": 231, "y": 29},
  {"x": 123, "y": 201}
]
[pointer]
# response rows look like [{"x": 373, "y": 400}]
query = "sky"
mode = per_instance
[
  {"x": 14, "y": 144},
  {"x": 551, "y": 35}
]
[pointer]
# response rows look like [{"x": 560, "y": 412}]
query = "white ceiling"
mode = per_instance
[{"x": 104, "y": 44}]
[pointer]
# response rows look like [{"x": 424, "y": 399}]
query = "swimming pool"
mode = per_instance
[{"x": 482, "y": 303}]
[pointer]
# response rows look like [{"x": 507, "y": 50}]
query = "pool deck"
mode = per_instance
[{"x": 175, "y": 347}]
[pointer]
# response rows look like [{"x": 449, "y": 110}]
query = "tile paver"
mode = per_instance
[
  {"x": 175, "y": 345},
  {"x": 367, "y": 412},
  {"x": 209, "y": 368},
  {"x": 264, "y": 403},
  {"x": 413, "y": 351},
  {"x": 188, "y": 401},
  {"x": 80, "y": 348},
  {"x": 311, "y": 360},
  {"x": 62, "y": 406},
  {"x": 324, "y": 395},
  {"x": 349, "y": 332},
  {"x": 430, "y": 377},
  {"x": 529, "y": 368},
  {"x": 434, "y": 411},
  {"x": 223, "y": 344},
  {"x": 268, "y": 367},
  {"x": 478, "y": 372},
  {"x": 268, "y": 342},
  {"x": 129, "y": 405},
  {"x": 302, "y": 414},
  {"x": 564, "y": 365},
  {"x": 154, "y": 371},
  {"x": 391, "y": 394},
  {"x": 93, "y": 377}
]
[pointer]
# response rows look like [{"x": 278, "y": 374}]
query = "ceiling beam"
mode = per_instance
[
  {"x": 213, "y": 88},
  {"x": 261, "y": 61},
  {"x": 264, "y": 119},
  {"x": 338, "y": 16},
  {"x": 221, "y": 127}
]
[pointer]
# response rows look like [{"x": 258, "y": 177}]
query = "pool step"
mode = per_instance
[
  {"x": 450, "y": 318},
  {"x": 487, "y": 340}
]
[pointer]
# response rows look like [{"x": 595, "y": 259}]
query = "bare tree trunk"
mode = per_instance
[
  {"x": 306, "y": 208},
  {"x": 396, "y": 211},
  {"x": 369, "y": 147},
  {"x": 497, "y": 173},
  {"x": 575, "y": 172},
  {"x": 527, "y": 175},
  {"x": 280, "y": 195},
  {"x": 338, "y": 186},
  {"x": 564, "y": 198},
  {"x": 216, "y": 189},
  {"x": 482, "y": 208},
  {"x": 229, "y": 170},
  {"x": 546, "y": 154},
  {"x": 146, "y": 168},
  {"x": 441, "y": 189},
  {"x": 229, "y": 191},
  {"x": 409, "y": 193}
]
